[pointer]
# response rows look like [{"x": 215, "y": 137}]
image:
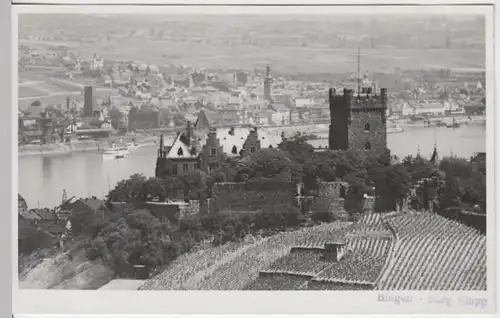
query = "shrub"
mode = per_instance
[{"x": 322, "y": 216}]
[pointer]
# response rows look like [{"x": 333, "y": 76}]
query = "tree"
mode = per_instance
[
  {"x": 391, "y": 186},
  {"x": 297, "y": 147},
  {"x": 268, "y": 163},
  {"x": 418, "y": 167},
  {"x": 154, "y": 188},
  {"x": 116, "y": 116},
  {"x": 36, "y": 103},
  {"x": 179, "y": 120},
  {"x": 165, "y": 116},
  {"x": 129, "y": 190},
  {"x": 193, "y": 184}
]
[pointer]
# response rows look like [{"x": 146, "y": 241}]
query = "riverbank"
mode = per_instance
[{"x": 61, "y": 149}]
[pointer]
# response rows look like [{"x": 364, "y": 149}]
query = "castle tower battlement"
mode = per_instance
[{"x": 358, "y": 120}]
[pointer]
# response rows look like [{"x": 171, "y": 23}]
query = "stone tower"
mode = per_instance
[
  {"x": 358, "y": 120},
  {"x": 267, "y": 84}
]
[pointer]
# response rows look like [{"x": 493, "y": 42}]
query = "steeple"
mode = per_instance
[
  {"x": 64, "y": 196},
  {"x": 435, "y": 157},
  {"x": 160, "y": 149}
]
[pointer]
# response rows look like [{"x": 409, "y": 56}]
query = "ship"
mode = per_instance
[
  {"x": 395, "y": 130},
  {"x": 116, "y": 151},
  {"x": 454, "y": 124}
]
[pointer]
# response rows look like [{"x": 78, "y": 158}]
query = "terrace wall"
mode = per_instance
[
  {"x": 475, "y": 220},
  {"x": 252, "y": 196}
]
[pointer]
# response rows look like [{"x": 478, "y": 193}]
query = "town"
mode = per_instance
[
  {"x": 262, "y": 180},
  {"x": 68, "y": 100}
]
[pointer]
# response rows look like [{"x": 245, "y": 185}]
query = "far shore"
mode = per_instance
[{"x": 77, "y": 147}]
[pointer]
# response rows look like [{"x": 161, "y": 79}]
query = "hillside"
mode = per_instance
[
  {"x": 233, "y": 266},
  {"x": 291, "y": 44},
  {"x": 65, "y": 271},
  {"x": 411, "y": 251}
]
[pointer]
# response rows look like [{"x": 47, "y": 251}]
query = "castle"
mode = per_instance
[
  {"x": 358, "y": 120},
  {"x": 203, "y": 146}
]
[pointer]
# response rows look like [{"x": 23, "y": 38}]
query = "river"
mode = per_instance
[{"x": 42, "y": 179}]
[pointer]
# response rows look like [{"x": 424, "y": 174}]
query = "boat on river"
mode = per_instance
[
  {"x": 394, "y": 129},
  {"x": 116, "y": 151},
  {"x": 454, "y": 124}
]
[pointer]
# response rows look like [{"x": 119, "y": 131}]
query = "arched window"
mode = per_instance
[
  {"x": 367, "y": 127},
  {"x": 234, "y": 151},
  {"x": 180, "y": 152},
  {"x": 368, "y": 146}
]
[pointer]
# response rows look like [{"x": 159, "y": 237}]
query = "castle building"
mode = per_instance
[
  {"x": 358, "y": 121},
  {"x": 267, "y": 84},
  {"x": 204, "y": 147}
]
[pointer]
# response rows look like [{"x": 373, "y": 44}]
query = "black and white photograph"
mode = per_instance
[{"x": 254, "y": 151}]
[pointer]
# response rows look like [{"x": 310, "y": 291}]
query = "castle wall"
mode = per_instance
[
  {"x": 252, "y": 196},
  {"x": 330, "y": 198}
]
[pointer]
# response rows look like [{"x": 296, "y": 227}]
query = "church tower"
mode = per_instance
[{"x": 267, "y": 84}]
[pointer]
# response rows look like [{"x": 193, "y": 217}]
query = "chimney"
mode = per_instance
[{"x": 334, "y": 251}]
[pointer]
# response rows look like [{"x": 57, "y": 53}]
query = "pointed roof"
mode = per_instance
[
  {"x": 435, "y": 156},
  {"x": 202, "y": 121}
]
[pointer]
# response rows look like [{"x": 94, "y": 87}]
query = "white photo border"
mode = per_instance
[{"x": 238, "y": 302}]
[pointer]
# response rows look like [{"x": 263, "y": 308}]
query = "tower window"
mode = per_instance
[
  {"x": 252, "y": 149},
  {"x": 368, "y": 146},
  {"x": 367, "y": 127},
  {"x": 213, "y": 151},
  {"x": 180, "y": 152},
  {"x": 234, "y": 150}
]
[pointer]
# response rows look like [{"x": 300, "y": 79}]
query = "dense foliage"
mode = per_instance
[{"x": 124, "y": 234}]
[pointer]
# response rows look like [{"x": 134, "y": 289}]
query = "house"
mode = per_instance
[
  {"x": 204, "y": 147},
  {"x": 89, "y": 205},
  {"x": 302, "y": 102},
  {"x": 281, "y": 115},
  {"x": 22, "y": 206}
]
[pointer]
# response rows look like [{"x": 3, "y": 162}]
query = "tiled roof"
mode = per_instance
[
  {"x": 93, "y": 204},
  {"x": 45, "y": 214}
]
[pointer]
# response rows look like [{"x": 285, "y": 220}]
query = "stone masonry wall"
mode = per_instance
[
  {"x": 252, "y": 197},
  {"x": 376, "y": 135},
  {"x": 330, "y": 197}
]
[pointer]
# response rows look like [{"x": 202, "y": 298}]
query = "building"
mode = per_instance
[
  {"x": 358, "y": 121},
  {"x": 35, "y": 126},
  {"x": 21, "y": 204},
  {"x": 89, "y": 101},
  {"x": 204, "y": 146}
]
